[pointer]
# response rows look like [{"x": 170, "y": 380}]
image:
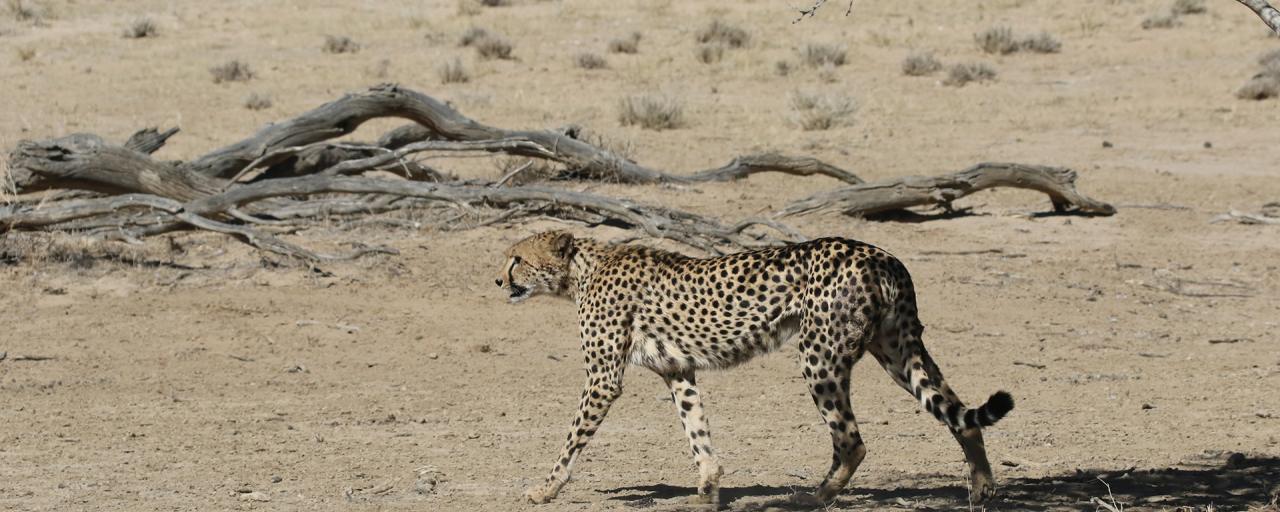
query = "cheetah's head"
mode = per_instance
[{"x": 538, "y": 264}]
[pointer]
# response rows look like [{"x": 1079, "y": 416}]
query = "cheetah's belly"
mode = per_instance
[{"x": 666, "y": 352}]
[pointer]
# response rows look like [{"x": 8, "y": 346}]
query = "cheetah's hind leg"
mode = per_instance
[{"x": 688, "y": 401}]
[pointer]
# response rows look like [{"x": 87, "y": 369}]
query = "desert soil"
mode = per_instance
[{"x": 199, "y": 375}]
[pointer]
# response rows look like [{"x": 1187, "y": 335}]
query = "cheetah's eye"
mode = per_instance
[{"x": 515, "y": 259}]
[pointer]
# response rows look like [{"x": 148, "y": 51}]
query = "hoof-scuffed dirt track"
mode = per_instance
[{"x": 192, "y": 372}]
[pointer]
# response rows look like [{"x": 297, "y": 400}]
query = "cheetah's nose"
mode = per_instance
[{"x": 498, "y": 282}]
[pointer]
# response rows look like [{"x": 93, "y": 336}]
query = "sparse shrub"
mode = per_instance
[
  {"x": 1040, "y": 43},
  {"x": 718, "y": 31},
  {"x": 651, "y": 112},
  {"x": 469, "y": 7},
  {"x": 141, "y": 28},
  {"x": 26, "y": 53},
  {"x": 783, "y": 67},
  {"x": 1260, "y": 87},
  {"x": 1270, "y": 60},
  {"x": 819, "y": 55},
  {"x": 257, "y": 101},
  {"x": 961, "y": 74},
  {"x": 1185, "y": 7},
  {"x": 472, "y": 36},
  {"x": 710, "y": 53},
  {"x": 27, "y": 10},
  {"x": 920, "y": 64},
  {"x": 232, "y": 71},
  {"x": 820, "y": 111},
  {"x": 827, "y": 74},
  {"x": 1161, "y": 20},
  {"x": 629, "y": 44},
  {"x": 340, "y": 44},
  {"x": 996, "y": 40},
  {"x": 452, "y": 72},
  {"x": 526, "y": 170},
  {"x": 589, "y": 60},
  {"x": 494, "y": 47}
]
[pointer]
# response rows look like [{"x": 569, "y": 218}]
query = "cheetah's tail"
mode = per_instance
[{"x": 987, "y": 414}]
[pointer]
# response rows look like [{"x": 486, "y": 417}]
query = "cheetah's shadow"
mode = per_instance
[{"x": 1236, "y": 483}]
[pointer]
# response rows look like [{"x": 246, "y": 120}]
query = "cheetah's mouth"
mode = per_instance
[{"x": 519, "y": 293}]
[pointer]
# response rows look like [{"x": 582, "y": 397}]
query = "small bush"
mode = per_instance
[
  {"x": 819, "y": 55},
  {"x": 340, "y": 44},
  {"x": 710, "y": 53},
  {"x": 26, "y": 10},
  {"x": 452, "y": 72},
  {"x": 920, "y": 64},
  {"x": 821, "y": 112},
  {"x": 590, "y": 61},
  {"x": 629, "y": 44},
  {"x": 257, "y": 101},
  {"x": 472, "y": 36},
  {"x": 719, "y": 31},
  {"x": 1260, "y": 87},
  {"x": 961, "y": 74},
  {"x": 26, "y": 53},
  {"x": 1184, "y": 7},
  {"x": 996, "y": 40},
  {"x": 1040, "y": 43},
  {"x": 232, "y": 71},
  {"x": 141, "y": 28},
  {"x": 651, "y": 112},
  {"x": 783, "y": 67},
  {"x": 493, "y": 47},
  {"x": 1164, "y": 20},
  {"x": 1270, "y": 60}
]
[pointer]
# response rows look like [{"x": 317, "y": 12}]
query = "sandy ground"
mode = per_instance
[{"x": 204, "y": 376}]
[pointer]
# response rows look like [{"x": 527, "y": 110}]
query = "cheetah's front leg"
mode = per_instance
[
  {"x": 604, "y": 385},
  {"x": 684, "y": 392}
]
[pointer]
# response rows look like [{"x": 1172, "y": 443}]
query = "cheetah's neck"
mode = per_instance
[{"x": 587, "y": 254}]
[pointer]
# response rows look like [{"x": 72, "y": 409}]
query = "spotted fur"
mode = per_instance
[{"x": 675, "y": 314}]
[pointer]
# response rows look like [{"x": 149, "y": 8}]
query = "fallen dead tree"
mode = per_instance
[
  {"x": 912, "y": 191},
  {"x": 291, "y": 172}
]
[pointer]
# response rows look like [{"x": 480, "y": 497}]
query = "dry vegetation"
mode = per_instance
[
  {"x": 588, "y": 60},
  {"x": 812, "y": 111},
  {"x": 920, "y": 64},
  {"x": 452, "y": 72},
  {"x": 232, "y": 71},
  {"x": 719, "y": 31},
  {"x": 709, "y": 53},
  {"x": 628, "y": 45},
  {"x": 960, "y": 74},
  {"x": 1001, "y": 41},
  {"x": 1265, "y": 83},
  {"x": 823, "y": 55},
  {"x": 257, "y": 101},
  {"x": 340, "y": 44},
  {"x": 653, "y": 112},
  {"x": 141, "y": 28}
]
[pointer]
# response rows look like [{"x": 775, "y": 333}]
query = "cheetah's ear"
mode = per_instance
[{"x": 562, "y": 244}]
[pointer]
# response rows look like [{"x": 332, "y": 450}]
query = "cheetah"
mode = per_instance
[{"x": 675, "y": 314}]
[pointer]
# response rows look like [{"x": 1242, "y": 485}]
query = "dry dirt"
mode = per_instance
[{"x": 202, "y": 376}]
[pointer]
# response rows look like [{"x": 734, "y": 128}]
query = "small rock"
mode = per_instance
[
  {"x": 1208, "y": 145},
  {"x": 1106, "y": 144},
  {"x": 1236, "y": 460},
  {"x": 433, "y": 355},
  {"x": 473, "y": 435},
  {"x": 276, "y": 479},
  {"x": 254, "y": 496},
  {"x": 1147, "y": 407}
]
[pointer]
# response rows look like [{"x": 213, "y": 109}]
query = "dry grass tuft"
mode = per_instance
[
  {"x": 588, "y": 60},
  {"x": 629, "y": 44},
  {"x": 961, "y": 74},
  {"x": 452, "y": 72},
  {"x": 1185, "y": 7},
  {"x": 257, "y": 101},
  {"x": 493, "y": 47},
  {"x": 232, "y": 71},
  {"x": 820, "y": 55},
  {"x": 710, "y": 53},
  {"x": 1162, "y": 20},
  {"x": 472, "y": 36},
  {"x": 78, "y": 252},
  {"x": 1040, "y": 43},
  {"x": 651, "y": 112},
  {"x": 141, "y": 28},
  {"x": 820, "y": 111},
  {"x": 1270, "y": 60},
  {"x": 920, "y": 64},
  {"x": 718, "y": 31},
  {"x": 26, "y": 53},
  {"x": 523, "y": 171},
  {"x": 1266, "y": 83},
  {"x": 469, "y": 8},
  {"x": 996, "y": 40},
  {"x": 28, "y": 11},
  {"x": 783, "y": 67},
  {"x": 340, "y": 44}
]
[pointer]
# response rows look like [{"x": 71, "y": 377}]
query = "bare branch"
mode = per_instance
[{"x": 1264, "y": 10}]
